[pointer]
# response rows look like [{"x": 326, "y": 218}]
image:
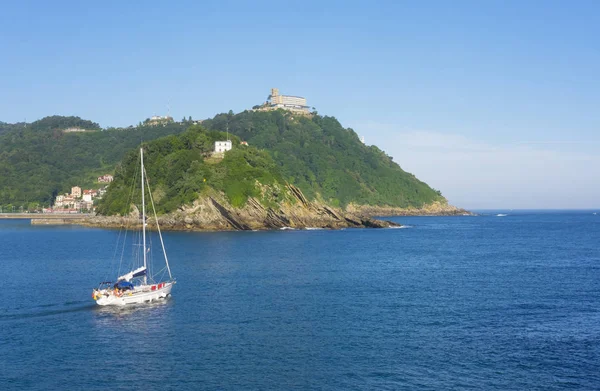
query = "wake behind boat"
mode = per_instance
[{"x": 137, "y": 286}]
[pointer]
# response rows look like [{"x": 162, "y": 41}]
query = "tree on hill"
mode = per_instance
[{"x": 6, "y": 127}]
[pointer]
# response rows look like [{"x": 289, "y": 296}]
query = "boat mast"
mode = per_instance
[
  {"x": 158, "y": 228},
  {"x": 143, "y": 215}
]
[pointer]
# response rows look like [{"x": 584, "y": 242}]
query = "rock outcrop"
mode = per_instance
[
  {"x": 213, "y": 212},
  {"x": 436, "y": 208}
]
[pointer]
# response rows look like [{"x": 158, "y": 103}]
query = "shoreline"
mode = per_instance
[
  {"x": 434, "y": 209},
  {"x": 213, "y": 213},
  {"x": 374, "y": 220},
  {"x": 180, "y": 225}
]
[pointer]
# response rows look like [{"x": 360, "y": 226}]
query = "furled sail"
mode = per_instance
[{"x": 140, "y": 271}]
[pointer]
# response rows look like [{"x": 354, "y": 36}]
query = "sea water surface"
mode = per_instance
[{"x": 485, "y": 303}]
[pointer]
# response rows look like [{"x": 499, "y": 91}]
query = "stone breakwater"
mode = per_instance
[{"x": 55, "y": 221}]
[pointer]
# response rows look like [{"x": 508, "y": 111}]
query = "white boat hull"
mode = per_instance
[{"x": 140, "y": 295}]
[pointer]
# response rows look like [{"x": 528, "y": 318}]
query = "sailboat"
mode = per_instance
[{"x": 137, "y": 286}]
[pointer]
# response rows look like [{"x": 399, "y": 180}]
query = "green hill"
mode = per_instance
[
  {"x": 316, "y": 154},
  {"x": 322, "y": 158},
  {"x": 40, "y": 160},
  {"x": 182, "y": 167},
  {"x": 5, "y": 127}
]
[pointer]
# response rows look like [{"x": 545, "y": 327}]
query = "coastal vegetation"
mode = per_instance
[
  {"x": 316, "y": 154},
  {"x": 39, "y": 160},
  {"x": 324, "y": 159},
  {"x": 183, "y": 167}
]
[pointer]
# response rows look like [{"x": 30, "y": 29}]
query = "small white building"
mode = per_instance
[
  {"x": 107, "y": 178},
  {"x": 222, "y": 146}
]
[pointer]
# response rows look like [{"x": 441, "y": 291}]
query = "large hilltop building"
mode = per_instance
[
  {"x": 296, "y": 104},
  {"x": 156, "y": 120}
]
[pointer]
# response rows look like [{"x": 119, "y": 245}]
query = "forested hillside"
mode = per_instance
[
  {"x": 181, "y": 168},
  {"x": 321, "y": 157},
  {"x": 326, "y": 161},
  {"x": 5, "y": 127},
  {"x": 39, "y": 160},
  {"x": 316, "y": 154}
]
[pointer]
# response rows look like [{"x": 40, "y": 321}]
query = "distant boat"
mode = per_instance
[
  {"x": 137, "y": 286},
  {"x": 501, "y": 215}
]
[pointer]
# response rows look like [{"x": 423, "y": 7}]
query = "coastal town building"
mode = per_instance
[
  {"x": 222, "y": 146},
  {"x": 88, "y": 195},
  {"x": 77, "y": 201},
  {"x": 275, "y": 101},
  {"x": 106, "y": 178},
  {"x": 65, "y": 201}
]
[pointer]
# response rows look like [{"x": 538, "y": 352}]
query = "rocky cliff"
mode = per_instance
[{"x": 213, "y": 212}]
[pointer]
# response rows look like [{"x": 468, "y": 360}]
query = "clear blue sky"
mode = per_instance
[{"x": 495, "y": 103}]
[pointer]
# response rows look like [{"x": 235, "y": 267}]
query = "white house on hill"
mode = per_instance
[
  {"x": 222, "y": 146},
  {"x": 106, "y": 178}
]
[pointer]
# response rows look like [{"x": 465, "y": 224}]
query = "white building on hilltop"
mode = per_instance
[{"x": 222, "y": 146}]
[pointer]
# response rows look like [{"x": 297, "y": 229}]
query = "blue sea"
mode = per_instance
[{"x": 448, "y": 303}]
